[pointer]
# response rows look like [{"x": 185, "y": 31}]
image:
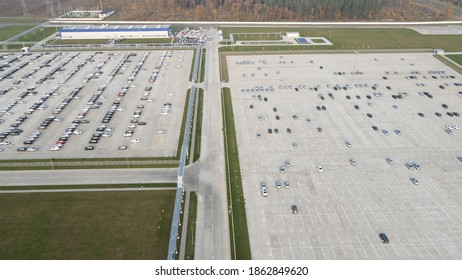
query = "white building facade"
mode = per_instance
[{"x": 116, "y": 32}]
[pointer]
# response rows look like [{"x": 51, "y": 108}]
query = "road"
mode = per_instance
[
  {"x": 87, "y": 176},
  {"x": 212, "y": 230},
  {"x": 88, "y": 190}
]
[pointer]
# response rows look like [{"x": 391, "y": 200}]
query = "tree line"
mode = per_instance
[{"x": 257, "y": 10}]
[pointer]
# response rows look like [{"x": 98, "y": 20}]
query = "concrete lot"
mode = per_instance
[
  {"x": 343, "y": 209},
  {"x": 173, "y": 78}
]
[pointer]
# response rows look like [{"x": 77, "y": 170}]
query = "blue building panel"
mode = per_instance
[{"x": 114, "y": 29}]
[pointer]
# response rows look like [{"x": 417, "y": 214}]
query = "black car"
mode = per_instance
[
  {"x": 89, "y": 148},
  {"x": 274, "y": 109},
  {"x": 289, "y": 130},
  {"x": 438, "y": 114},
  {"x": 368, "y": 96},
  {"x": 388, "y": 87},
  {"x": 348, "y": 97},
  {"x": 394, "y": 96},
  {"x": 358, "y": 97},
  {"x": 21, "y": 149},
  {"x": 251, "y": 106},
  {"x": 276, "y": 130},
  {"x": 369, "y": 115},
  {"x": 141, "y": 123},
  {"x": 323, "y": 108},
  {"x": 375, "y": 128},
  {"x": 277, "y": 117},
  {"x": 384, "y": 238},
  {"x": 356, "y": 107},
  {"x": 450, "y": 114},
  {"x": 444, "y": 106},
  {"x": 421, "y": 114},
  {"x": 270, "y": 130},
  {"x": 318, "y": 108},
  {"x": 455, "y": 114},
  {"x": 319, "y": 129}
]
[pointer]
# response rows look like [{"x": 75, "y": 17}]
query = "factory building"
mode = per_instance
[{"x": 116, "y": 32}]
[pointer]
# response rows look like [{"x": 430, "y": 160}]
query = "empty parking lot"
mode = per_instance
[{"x": 337, "y": 118}]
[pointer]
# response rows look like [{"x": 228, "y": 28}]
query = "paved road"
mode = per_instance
[
  {"x": 212, "y": 231},
  {"x": 87, "y": 176},
  {"x": 88, "y": 190}
]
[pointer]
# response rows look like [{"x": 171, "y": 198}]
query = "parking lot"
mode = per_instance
[
  {"x": 367, "y": 155},
  {"x": 92, "y": 104}
]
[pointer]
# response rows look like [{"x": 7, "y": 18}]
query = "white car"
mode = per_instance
[
  {"x": 32, "y": 149},
  {"x": 320, "y": 169},
  {"x": 5, "y": 143},
  {"x": 264, "y": 191},
  {"x": 56, "y": 148},
  {"x": 160, "y": 131},
  {"x": 135, "y": 140},
  {"x": 77, "y": 132}
]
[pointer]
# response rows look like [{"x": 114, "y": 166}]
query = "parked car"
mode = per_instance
[{"x": 384, "y": 238}]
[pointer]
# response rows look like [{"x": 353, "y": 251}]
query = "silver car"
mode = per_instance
[{"x": 389, "y": 160}]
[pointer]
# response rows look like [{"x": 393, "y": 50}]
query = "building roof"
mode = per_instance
[{"x": 115, "y": 28}]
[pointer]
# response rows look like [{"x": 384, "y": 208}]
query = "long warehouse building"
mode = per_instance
[{"x": 116, "y": 32}]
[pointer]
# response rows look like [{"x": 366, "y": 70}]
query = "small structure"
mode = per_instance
[
  {"x": 107, "y": 12},
  {"x": 438, "y": 51},
  {"x": 292, "y": 34}
]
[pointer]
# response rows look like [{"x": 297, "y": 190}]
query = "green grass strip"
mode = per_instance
[
  {"x": 12, "y": 30},
  {"x": 198, "y": 134},
  {"x": 38, "y": 34},
  {"x": 192, "y": 66},
  {"x": 239, "y": 236},
  {"x": 224, "y": 76},
  {"x": 191, "y": 232},
  {"x": 444, "y": 60},
  {"x": 183, "y": 123},
  {"x": 202, "y": 70},
  {"x": 364, "y": 38}
]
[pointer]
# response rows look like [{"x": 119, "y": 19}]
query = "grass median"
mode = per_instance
[
  {"x": 239, "y": 236},
  {"x": 191, "y": 233},
  {"x": 202, "y": 70},
  {"x": 198, "y": 133}
]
